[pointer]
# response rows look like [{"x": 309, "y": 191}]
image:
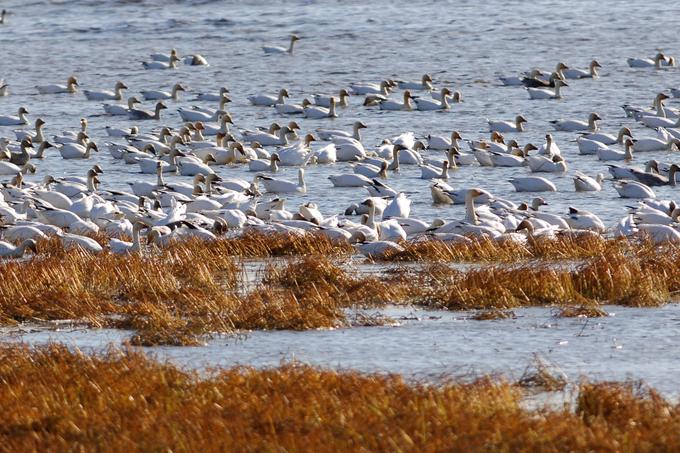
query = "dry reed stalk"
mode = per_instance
[{"x": 57, "y": 399}]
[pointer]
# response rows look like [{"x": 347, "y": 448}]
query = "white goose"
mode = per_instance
[
  {"x": 390, "y": 104},
  {"x": 424, "y": 84},
  {"x": 647, "y": 62},
  {"x": 267, "y": 100},
  {"x": 533, "y": 184},
  {"x": 273, "y": 185},
  {"x": 614, "y": 154},
  {"x": 328, "y": 134},
  {"x": 590, "y": 73},
  {"x": 115, "y": 95},
  {"x": 8, "y": 250},
  {"x": 577, "y": 125},
  {"x": 172, "y": 64},
  {"x": 119, "y": 110},
  {"x": 325, "y": 101},
  {"x": 120, "y": 247},
  {"x": 157, "y": 95},
  {"x": 585, "y": 183},
  {"x": 609, "y": 139},
  {"x": 349, "y": 180},
  {"x": 547, "y": 93},
  {"x": 316, "y": 112},
  {"x": 263, "y": 165},
  {"x": 76, "y": 151},
  {"x": 554, "y": 164},
  {"x": 423, "y": 104},
  {"x": 70, "y": 87},
  {"x": 633, "y": 189},
  {"x": 269, "y": 50},
  {"x": 18, "y": 120},
  {"x": 508, "y": 126}
]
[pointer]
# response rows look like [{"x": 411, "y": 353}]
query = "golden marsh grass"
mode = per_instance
[{"x": 57, "y": 399}]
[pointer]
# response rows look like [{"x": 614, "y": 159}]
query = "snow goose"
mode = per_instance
[
  {"x": 76, "y": 151},
  {"x": 441, "y": 143},
  {"x": 508, "y": 126},
  {"x": 554, "y": 164},
  {"x": 382, "y": 88},
  {"x": 328, "y": 134},
  {"x": 577, "y": 125},
  {"x": 390, "y": 104},
  {"x": 70, "y": 87},
  {"x": 193, "y": 115},
  {"x": 614, "y": 154},
  {"x": 8, "y": 250},
  {"x": 326, "y": 155},
  {"x": 590, "y": 73},
  {"x": 431, "y": 172},
  {"x": 547, "y": 93},
  {"x": 380, "y": 189},
  {"x": 609, "y": 139},
  {"x": 647, "y": 62},
  {"x": 18, "y": 120},
  {"x": 8, "y": 168},
  {"x": 325, "y": 101},
  {"x": 121, "y": 131},
  {"x": 80, "y": 242},
  {"x": 117, "y": 109},
  {"x": 212, "y": 97},
  {"x": 400, "y": 206},
  {"x": 121, "y": 247},
  {"x": 315, "y": 112},
  {"x": 37, "y": 136},
  {"x": 633, "y": 189},
  {"x": 424, "y": 84},
  {"x": 549, "y": 148},
  {"x": 349, "y": 180},
  {"x": 195, "y": 60},
  {"x": 155, "y": 95},
  {"x": 517, "y": 80},
  {"x": 270, "y": 50},
  {"x": 164, "y": 57},
  {"x": 172, "y": 64},
  {"x": 262, "y": 165},
  {"x": 371, "y": 171},
  {"x": 434, "y": 104},
  {"x": 579, "y": 219},
  {"x": 533, "y": 184},
  {"x": 273, "y": 185},
  {"x": 267, "y": 100},
  {"x": 115, "y": 95},
  {"x": 349, "y": 151},
  {"x": 585, "y": 183},
  {"x": 654, "y": 144},
  {"x": 137, "y": 114}
]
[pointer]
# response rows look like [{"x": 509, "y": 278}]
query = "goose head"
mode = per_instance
[
  {"x": 427, "y": 78},
  {"x": 294, "y": 38},
  {"x": 39, "y": 122},
  {"x": 520, "y": 120},
  {"x": 525, "y": 225},
  {"x": 72, "y": 81},
  {"x": 537, "y": 202},
  {"x": 593, "y": 117},
  {"x": 132, "y": 101},
  {"x": 29, "y": 244},
  {"x": 457, "y": 97},
  {"x": 293, "y": 126},
  {"x": 23, "y": 111},
  {"x": 306, "y": 103},
  {"x": 528, "y": 147},
  {"x": 177, "y": 87},
  {"x": 120, "y": 86},
  {"x": 309, "y": 138},
  {"x": 275, "y": 157},
  {"x": 560, "y": 67},
  {"x": 283, "y": 93}
]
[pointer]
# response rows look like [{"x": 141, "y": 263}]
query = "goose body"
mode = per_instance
[
  {"x": 115, "y": 95},
  {"x": 533, "y": 184},
  {"x": 273, "y": 185},
  {"x": 18, "y": 120},
  {"x": 507, "y": 126},
  {"x": 585, "y": 183},
  {"x": 577, "y": 125},
  {"x": 634, "y": 189},
  {"x": 274, "y": 50},
  {"x": 70, "y": 87}
]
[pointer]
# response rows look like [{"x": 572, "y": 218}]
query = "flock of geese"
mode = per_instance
[{"x": 208, "y": 144}]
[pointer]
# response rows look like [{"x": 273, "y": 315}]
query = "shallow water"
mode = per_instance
[
  {"x": 465, "y": 45},
  {"x": 629, "y": 344}
]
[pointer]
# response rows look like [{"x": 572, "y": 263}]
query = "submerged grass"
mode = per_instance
[
  {"x": 190, "y": 290},
  {"x": 57, "y": 399}
]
